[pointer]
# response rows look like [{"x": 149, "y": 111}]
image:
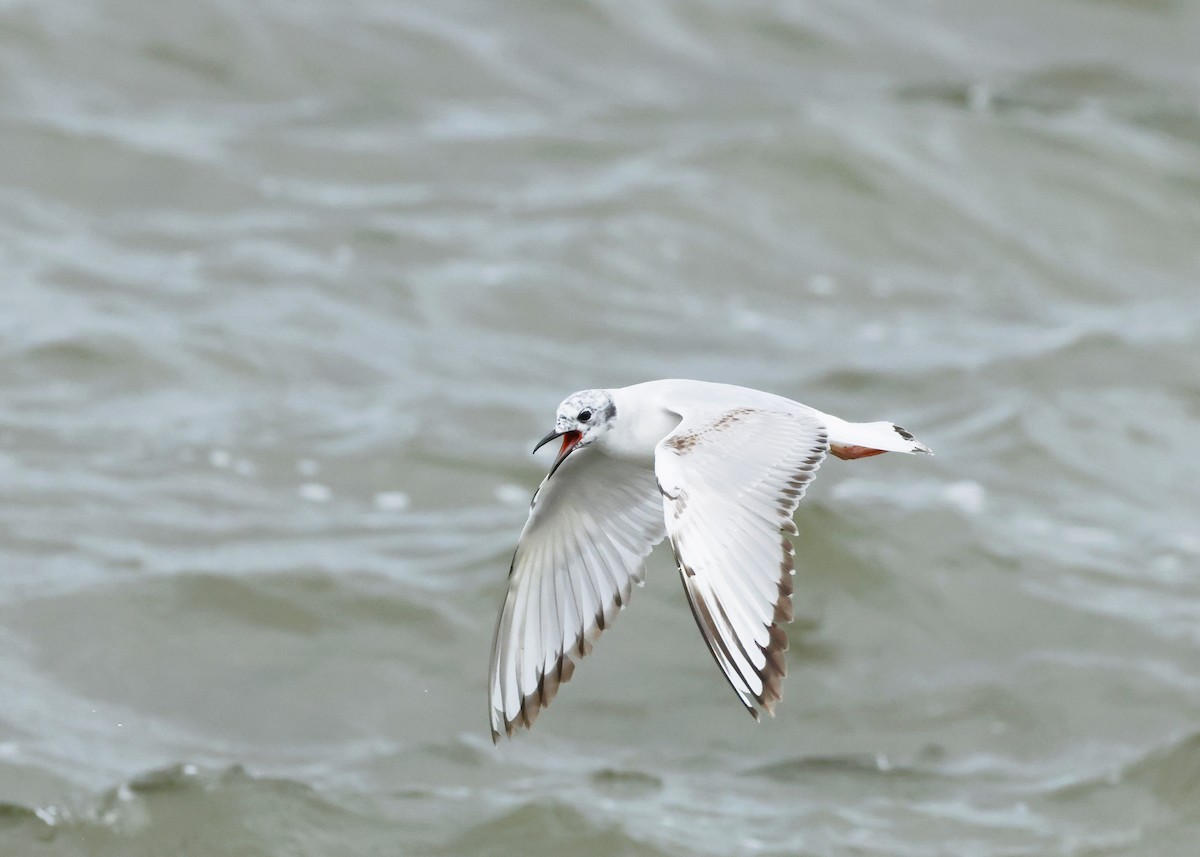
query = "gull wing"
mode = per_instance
[
  {"x": 731, "y": 478},
  {"x": 590, "y": 527}
]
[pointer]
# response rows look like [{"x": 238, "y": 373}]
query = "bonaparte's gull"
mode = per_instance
[{"x": 716, "y": 469}]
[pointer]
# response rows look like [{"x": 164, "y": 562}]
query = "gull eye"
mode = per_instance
[{"x": 585, "y": 415}]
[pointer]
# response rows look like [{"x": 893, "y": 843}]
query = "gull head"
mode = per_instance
[{"x": 582, "y": 419}]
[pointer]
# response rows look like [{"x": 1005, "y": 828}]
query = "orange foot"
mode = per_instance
[{"x": 851, "y": 452}]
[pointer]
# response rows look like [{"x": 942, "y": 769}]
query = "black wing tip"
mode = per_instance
[{"x": 540, "y": 697}]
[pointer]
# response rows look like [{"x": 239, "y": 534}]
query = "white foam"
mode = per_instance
[{"x": 315, "y": 492}]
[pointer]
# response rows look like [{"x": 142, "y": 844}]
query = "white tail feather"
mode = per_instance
[{"x": 860, "y": 439}]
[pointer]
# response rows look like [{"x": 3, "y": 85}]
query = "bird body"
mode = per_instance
[{"x": 715, "y": 468}]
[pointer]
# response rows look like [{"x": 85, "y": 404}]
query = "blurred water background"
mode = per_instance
[{"x": 288, "y": 289}]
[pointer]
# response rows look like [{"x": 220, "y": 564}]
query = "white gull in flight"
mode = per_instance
[{"x": 718, "y": 470}]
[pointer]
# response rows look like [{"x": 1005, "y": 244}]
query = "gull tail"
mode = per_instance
[{"x": 859, "y": 440}]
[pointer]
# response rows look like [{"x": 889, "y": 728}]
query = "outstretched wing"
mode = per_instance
[
  {"x": 731, "y": 479},
  {"x": 591, "y": 525}
]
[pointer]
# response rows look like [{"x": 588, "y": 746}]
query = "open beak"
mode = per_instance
[{"x": 570, "y": 441}]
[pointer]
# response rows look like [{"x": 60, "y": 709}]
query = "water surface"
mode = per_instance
[{"x": 290, "y": 289}]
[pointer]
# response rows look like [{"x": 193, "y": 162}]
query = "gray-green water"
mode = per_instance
[{"x": 288, "y": 289}]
